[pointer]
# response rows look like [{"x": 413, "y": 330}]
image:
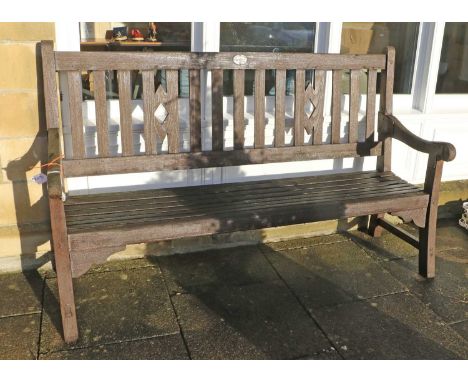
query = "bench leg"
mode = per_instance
[
  {"x": 375, "y": 229},
  {"x": 427, "y": 251},
  {"x": 63, "y": 269},
  {"x": 427, "y": 235}
]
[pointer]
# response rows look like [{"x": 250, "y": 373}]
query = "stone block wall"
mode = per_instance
[{"x": 24, "y": 216}]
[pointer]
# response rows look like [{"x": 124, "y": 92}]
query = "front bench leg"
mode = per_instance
[
  {"x": 63, "y": 270},
  {"x": 427, "y": 235}
]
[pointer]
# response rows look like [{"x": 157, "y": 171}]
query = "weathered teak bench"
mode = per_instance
[{"x": 87, "y": 229}]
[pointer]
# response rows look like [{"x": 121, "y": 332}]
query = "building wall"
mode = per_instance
[{"x": 24, "y": 215}]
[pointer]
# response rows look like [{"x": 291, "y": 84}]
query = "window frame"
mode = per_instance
[{"x": 444, "y": 103}]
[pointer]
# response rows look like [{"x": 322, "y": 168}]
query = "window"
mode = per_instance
[
  {"x": 453, "y": 68},
  {"x": 170, "y": 36},
  {"x": 265, "y": 37},
  {"x": 362, "y": 38},
  {"x": 100, "y": 36}
]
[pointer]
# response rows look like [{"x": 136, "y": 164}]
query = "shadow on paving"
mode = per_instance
[{"x": 328, "y": 297}]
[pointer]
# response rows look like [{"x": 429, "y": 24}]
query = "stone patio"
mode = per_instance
[{"x": 342, "y": 296}]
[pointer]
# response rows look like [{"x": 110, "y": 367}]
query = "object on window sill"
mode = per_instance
[
  {"x": 120, "y": 33},
  {"x": 153, "y": 32},
  {"x": 137, "y": 35}
]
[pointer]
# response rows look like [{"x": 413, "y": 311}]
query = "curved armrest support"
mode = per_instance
[
  {"x": 54, "y": 172},
  {"x": 394, "y": 128}
]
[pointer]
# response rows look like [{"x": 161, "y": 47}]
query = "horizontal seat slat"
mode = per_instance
[
  {"x": 225, "y": 60},
  {"x": 169, "y": 200},
  {"x": 184, "y": 161},
  {"x": 125, "y": 196}
]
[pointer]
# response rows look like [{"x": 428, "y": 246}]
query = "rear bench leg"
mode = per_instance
[
  {"x": 63, "y": 270},
  {"x": 427, "y": 235},
  {"x": 375, "y": 229}
]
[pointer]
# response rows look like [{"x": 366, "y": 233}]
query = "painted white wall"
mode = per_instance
[{"x": 443, "y": 118}]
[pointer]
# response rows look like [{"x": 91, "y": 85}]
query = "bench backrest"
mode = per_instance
[{"x": 309, "y": 100}]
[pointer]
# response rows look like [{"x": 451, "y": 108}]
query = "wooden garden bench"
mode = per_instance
[{"x": 87, "y": 229}]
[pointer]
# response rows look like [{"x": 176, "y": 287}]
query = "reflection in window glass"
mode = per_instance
[
  {"x": 265, "y": 37},
  {"x": 362, "y": 38},
  {"x": 98, "y": 36},
  {"x": 453, "y": 67}
]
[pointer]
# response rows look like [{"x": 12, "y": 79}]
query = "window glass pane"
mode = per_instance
[
  {"x": 265, "y": 37},
  {"x": 134, "y": 36},
  {"x": 362, "y": 38},
  {"x": 453, "y": 67}
]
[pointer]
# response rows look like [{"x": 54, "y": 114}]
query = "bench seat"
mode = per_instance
[{"x": 114, "y": 218}]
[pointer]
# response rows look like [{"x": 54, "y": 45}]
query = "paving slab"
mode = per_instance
[
  {"x": 116, "y": 265},
  {"x": 327, "y": 355},
  {"x": 19, "y": 336},
  {"x": 111, "y": 307},
  {"x": 384, "y": 248},
  {"x": 450, "y": 235},
  {"x": 333, "y": 273},
  {"x": 306, "y": 242},
  {"x": 230, "y": 266},
  {"x": 447, "y": 293},
  {"x": 258, "y": 321},
  {"x": 21, "y": 293},
  {"x": 461, "y": 328},
  {"x": 170, "y": 347},
  {"x": 396, "y": 326}
]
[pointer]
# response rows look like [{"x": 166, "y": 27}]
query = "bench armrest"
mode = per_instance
[
  {"x": 394, "y": 128},
  {"x": 54, "y": 172}
]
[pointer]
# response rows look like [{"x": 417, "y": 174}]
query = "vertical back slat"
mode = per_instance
[
  {"x": 217, "y": 109},
  {"x": 102, "y": 125},
  {"x": 386, "y": 88},
  {"x": 239, "y": 76},
  {"x": 259, "y": 109},
  {"x": 172, "y": 107},
  {"x": 125, "y": 107},
  {"x": 370, "y": 106},
  {"x": 319, "y": 92},
  {"x": 299, "y": 108},
  {"x": 148, "y": 112},
  {"x": 76, "y": 115},
  {"x": 336, "y": 106},
  {"x": 384, "y": 162},
  {"x": 195, "y": 111},
  {"x": 354, "y": 106},
  {"x": 280, "y": 89}
]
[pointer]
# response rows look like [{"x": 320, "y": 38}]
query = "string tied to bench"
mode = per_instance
[{"x": 41, "y": 177}]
